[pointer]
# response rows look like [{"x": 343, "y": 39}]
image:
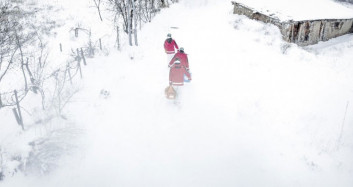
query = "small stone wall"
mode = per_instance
[
  {"x": 346, "y": 1},
  {"x": 304, "y": 32},
  {"x": 312, "y": 31}
]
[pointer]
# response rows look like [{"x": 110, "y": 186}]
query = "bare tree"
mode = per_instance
[
  {"x": 149, "y": 8},
  {"x": 132, "y": 12},
  {"x": 8, "y": 46},
  {"x": 19, "y": 42},
  {"x": 121, "y": 10},
  {"x": 97, "y": 3},
  {"x": 135, "y": 8},
  {"x": 17, "y": 37},
  {"x": 129, "y": 20},
  {"x": 19, "y": 45}
]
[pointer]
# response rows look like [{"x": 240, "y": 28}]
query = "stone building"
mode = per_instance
[{"x": 303, "y": 32}]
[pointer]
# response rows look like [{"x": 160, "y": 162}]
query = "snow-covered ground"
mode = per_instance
[{"x": 258, "y": 112}]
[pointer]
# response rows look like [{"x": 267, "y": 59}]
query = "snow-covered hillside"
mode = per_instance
[{"x": 258, "y": 112}]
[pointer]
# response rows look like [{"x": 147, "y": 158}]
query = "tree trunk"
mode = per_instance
[
  {"x": 117, "y": 37},
  {"x": 135, "y": 23},
  {"x": 129, "y": 24}
]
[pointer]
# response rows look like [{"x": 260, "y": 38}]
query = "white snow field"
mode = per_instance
[{"x": 258, "y": 111}]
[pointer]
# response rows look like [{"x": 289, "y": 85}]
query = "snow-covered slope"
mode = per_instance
[{"x": 258, "y": 112}]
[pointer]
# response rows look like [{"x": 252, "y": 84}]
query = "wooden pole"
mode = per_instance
[
  {"x": 19, "y": 110},
  {"x": 29, "y": 72},
  {"x": 83, "y": 57},
  {"x": 0, "y": 101},
  {"x": 78, "y": 55},
  {"x": 100, "y": 44},
  {"x": 16, "y": 116},
  {"x": 61, "y": 48},
  {"x": 68, "y": 70},
  {"x": 78, "y": 62},
  {"x": 79, "y": 68}
]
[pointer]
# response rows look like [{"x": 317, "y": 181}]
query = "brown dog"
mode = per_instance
[{"x": 170, "y": 93}]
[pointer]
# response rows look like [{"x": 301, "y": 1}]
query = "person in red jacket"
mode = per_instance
[
  {"x": 176, "y": 74},
  {"x": 169, "y": 46},
  {"x": 183, "y": 57}
]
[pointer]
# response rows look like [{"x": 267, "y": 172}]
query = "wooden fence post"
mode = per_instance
[
  {"x": 100, "y": 44},
  {"x": 79, "y": 68},
  {"x": 76, "y": 32},
  {"x": 78, "y": 55},
  {"x": 61, "y": 48},
  {"x": 29, "y": 72},
  {"x": 78, "y": 62},
  {"x": 0, "y": 101},
  {"x": 18, "y": 120},
  {"x": 68, "y": 70},
  {"x": 83, "y": 57},
  {"x": 18, "y": 115}
]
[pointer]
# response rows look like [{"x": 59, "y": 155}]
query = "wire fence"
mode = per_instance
[
  {"x": 8, "y": 98},
  {"x": 64, "y": 74}
]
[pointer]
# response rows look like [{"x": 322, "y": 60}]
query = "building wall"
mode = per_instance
[
  {"x": 312, "y": 31},
  {"x": 305, "y": 32},
  {"x": 347, "y": 1},
  {"x": 249, "y": 12}
]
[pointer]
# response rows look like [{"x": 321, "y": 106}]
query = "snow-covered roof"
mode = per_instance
[{"x": 301, "y": 9}]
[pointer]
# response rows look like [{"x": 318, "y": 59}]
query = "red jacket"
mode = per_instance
[
  {"x": 176, "y": 75},
  {"x": 170, "y": 45},
  {"x": 183, "y": 59}
]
